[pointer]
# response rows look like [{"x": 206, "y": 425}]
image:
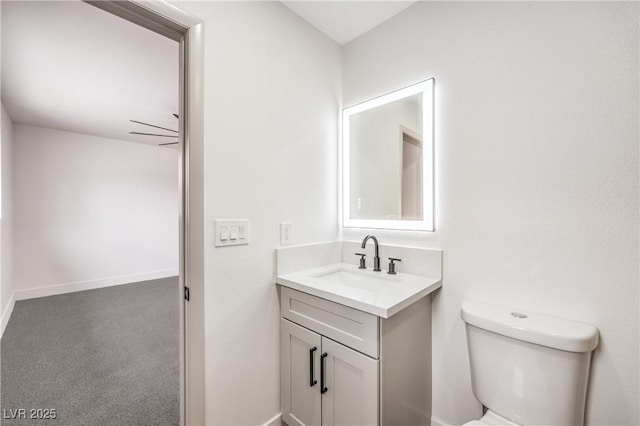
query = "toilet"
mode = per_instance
[{"x": 527, "y": 368}]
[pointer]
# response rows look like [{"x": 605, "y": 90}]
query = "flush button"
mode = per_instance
[{"x": 519, "y": 315}]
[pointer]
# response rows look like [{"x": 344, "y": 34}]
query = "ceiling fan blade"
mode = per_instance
[
  {"x": 152, "y": 134},
  {"x": 168, "y": 143},
  {"x": 152, "y": 125},
  {"x": 176, "y": 116}
]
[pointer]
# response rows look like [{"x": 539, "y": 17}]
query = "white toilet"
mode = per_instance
[{"x": 526, "y": 368}]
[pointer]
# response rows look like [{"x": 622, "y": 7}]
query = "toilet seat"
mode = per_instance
[{"x": 491, "y": 418}]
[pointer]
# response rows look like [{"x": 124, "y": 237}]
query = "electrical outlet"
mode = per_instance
[{"x": 286, "y": 233}]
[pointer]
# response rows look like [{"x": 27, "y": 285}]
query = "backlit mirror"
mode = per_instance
[{"x": 387, "y": 159}]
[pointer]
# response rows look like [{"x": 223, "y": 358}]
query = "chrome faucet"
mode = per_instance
[{"x": 376, "y": 256}]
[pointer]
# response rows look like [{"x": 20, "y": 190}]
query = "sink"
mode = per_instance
[
  {"x": 374, "y": 292},
  {"x": 357, "y": 279}
]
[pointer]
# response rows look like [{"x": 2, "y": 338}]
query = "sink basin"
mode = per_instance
[
  {"x": 357, "y": 279},
  {"x": 374, "y": 292}
]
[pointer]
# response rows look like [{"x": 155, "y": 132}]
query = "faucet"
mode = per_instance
[{"x": 376, "y": 257}]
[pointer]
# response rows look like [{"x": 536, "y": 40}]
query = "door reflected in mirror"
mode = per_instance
[{"x": 388, "y": 160}]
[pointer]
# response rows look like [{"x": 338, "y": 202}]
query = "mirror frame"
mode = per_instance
[{"x": 427, "y": 223}]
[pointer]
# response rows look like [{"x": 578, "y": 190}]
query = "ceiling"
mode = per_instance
[
  {"x": 344, "y": 21},
  {"x": 70, "y": 66},
  {"x": 67, "y": 65}
]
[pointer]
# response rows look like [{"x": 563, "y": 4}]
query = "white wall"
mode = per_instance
[
  {"x": 536, "y": 173},
  {"x": 90, "y": 211},
  {"x": 6, "y": 280},
  {"x": 272, "y": 92}
]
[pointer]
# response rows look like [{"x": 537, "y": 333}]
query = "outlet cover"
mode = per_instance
[{"x": 286, "y": 233}]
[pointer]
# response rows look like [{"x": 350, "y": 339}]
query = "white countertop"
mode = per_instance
[{"x": 377, "y": 293}]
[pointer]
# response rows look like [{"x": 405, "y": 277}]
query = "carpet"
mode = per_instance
[{"x": 108, "y": 356}]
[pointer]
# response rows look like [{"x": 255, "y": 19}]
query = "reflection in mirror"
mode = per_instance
[{"x": 388, "y": 160}]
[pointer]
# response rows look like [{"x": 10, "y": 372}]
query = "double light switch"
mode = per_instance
[{"x": 232, "y": 232}]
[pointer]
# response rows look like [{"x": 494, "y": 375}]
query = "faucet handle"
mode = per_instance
[
  {"x": 392, "y": 266},
  {"x": 362, "y": 261}
]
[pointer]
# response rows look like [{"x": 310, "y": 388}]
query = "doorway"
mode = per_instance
[
  {"x": 167, "y": 19},
  {"x": 171, "y": 22},
  {"x": 412, "y": 170}
]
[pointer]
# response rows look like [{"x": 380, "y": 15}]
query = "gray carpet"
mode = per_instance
[{"x": 98, "y": 357}]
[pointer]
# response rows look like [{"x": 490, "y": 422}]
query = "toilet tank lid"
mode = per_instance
[{"x": 556, "y": 333}]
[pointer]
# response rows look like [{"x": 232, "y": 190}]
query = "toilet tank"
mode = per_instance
[{"x": 532, "y": 369}]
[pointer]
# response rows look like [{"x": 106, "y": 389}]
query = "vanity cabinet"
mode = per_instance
[
  {"x": 342, "y": 366},
  {"x": 326, "y": 383}
]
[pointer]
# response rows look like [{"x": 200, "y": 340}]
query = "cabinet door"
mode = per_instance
[
  {"x": 299, "y": 366},
  {"x": 351, "y": 380}
]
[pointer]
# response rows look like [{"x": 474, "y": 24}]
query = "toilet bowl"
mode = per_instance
[{"x": 527, "y": 368}]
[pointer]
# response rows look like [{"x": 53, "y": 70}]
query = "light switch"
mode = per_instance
[
  {"x": 224, "y": 233},
  {"x": 231, "y": 232}
]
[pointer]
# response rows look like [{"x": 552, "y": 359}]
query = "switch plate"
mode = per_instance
[
  {"x": 231, "y": 232},
  {"x": 286, "y": 233}
]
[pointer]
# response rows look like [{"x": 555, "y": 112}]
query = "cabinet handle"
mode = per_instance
[
  {"x": 312, "y": 373},
  {"x": 323, "y": 388}
]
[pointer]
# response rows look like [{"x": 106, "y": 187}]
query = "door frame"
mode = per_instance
[{"x": 170, "y": 21}]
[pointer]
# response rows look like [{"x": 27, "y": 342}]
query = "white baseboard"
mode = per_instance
[
  {"x": 4, "y": 320},
  {"x": 52, "y": 290},
  {"x": 437, "y": 422},
  {"x": 275, "y": 421}
]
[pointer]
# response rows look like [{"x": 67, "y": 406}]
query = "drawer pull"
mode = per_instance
[
  {"x": 323, "y": 388},
  {"x": 312, "y": 373}
]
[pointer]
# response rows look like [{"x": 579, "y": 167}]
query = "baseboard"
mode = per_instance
[
  {"x": 437, "y": 422},
  {"x": 275, "y": 421},
  {"x": 52, "y": 290},
  {"x": 4, "y": 320}
]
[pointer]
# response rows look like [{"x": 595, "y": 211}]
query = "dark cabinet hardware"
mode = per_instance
[
  {"x": 323, "y": 388},
  {"x": 312, "y": 373}
]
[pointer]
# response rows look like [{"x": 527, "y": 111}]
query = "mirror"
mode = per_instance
[{"x": 387, "y": 160}]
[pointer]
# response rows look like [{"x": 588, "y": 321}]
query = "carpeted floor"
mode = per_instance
[{"x": 98, "y": 357}]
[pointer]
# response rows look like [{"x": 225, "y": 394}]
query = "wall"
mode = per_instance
[
  {"x": 90, "y": 211},
  {"x": 272, "y": 92},
  {"x": 6, "y": 219},
  {"x": 536, "y": 173}
]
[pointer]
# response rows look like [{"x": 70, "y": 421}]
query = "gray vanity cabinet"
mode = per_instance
[
  {"x": 324, "y": 382},
  {"x": 342, "y": 366},
  {"x": 299, "y": 352}
]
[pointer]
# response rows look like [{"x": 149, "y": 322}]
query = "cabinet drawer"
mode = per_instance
[{"x": 353, "y": 328}]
